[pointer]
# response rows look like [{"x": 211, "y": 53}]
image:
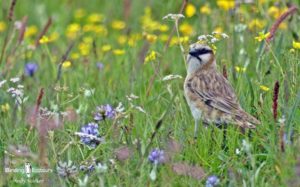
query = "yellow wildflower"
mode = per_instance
[
  {"x": 256, "y": 24},
  {"x": 190, "y": 10},
  {"x": 122, "y": 39},
  {"x": 100, "y": 29},
  {"x": 84, "y": 48},
  {"x": 164, "y": 37},
  {"x": 163, "y": 28},
  {"x": 44, "y": 40},
  {"x": 151, "y": 57},
  {"x": 292, "y": 50},
  {"x": 274, "y": 12},
  {"x": 88, "y": 28},
  {"x": 264, "y": 88},
  {"x": 226, "y": 4},
  {"x": 2, "y": 26},
  {"x": 148, "y": 24},
  {"x": 218, "y": 30},
  {"x": 31, "y": 31},
  {"x": 75, "y": 56},
  {"x": 118, "y": 24},
  {"x": 175, "y": 40},
  {"x": 53, "y": 36},
  {"x": 95, "y": 18},
  {"x": 79, "y": 13},
  {"x": 283, "y": 26},
  {"x": 88, "y": 40},
  {"x": 186, "y": 29},
  {"x": 262, "y": 36},
  {"x": 239, "y": 69},
  {"x": 106, "y": 48},
  {"x": 205, "y": 9},
  {"x": 72, "y": 30},
  {"x": 118, "y": 52},
  {"x": 296, "y": 45},
  {"x": 151, "y": 38},
  {"x": 5, "y": 107},
  {"x": 133, "y": 38},
  {"x": 66, "y": 64}
]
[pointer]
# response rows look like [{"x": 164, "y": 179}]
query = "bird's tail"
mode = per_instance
[{"x": 245, "y": 120}]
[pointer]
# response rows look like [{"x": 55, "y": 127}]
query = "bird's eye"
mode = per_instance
[{"x": 198, "y": 52}]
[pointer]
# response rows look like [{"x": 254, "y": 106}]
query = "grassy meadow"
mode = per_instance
[{"x": 91, "y": 93}]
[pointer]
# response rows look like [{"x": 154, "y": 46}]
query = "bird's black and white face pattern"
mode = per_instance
[{"x": 199, "y": 55}]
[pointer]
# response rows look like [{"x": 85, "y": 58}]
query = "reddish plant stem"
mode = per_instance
[
  {"x": 11, "y": 10},
  {"x": 44, "y": 31},
  {"x": 275, "y": 100},
  {"x": 279, "y": 20},
  {"x": 39, "y": 101}
]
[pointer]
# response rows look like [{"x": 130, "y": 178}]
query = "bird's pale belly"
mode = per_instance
[{"x": 195, "y": 111}]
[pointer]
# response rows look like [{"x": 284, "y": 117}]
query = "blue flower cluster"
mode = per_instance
[
  {"x": 89, "y": 135},
  {"x": 104, "y": 112},
  {"x": 212, "y": 181},
  {"x": 30, "y": 69},
  {"x": 156, "y": 156}
]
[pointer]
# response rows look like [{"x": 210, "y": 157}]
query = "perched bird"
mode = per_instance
[{"x": 209, "y": 95}]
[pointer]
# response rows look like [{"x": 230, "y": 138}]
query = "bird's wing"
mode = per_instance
[{"x": 216, "y": 92}]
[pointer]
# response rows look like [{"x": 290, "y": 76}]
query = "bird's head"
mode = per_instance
[{"x": 200, "y": 56}]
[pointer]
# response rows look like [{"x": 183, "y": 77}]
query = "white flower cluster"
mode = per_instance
[
  {"x": 212, "y": 38},
  {"x": 175, "y": 17},
  {"x": 171, "y": 77},
  {"x": 16, "y": 91}
]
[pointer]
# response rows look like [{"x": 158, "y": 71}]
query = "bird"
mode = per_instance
[{"x": 209, "y": 94}]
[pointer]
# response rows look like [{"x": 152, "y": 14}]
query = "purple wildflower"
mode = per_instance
[
  {"x": 105, "y": 112},
  {"x": 100, "y": 66},
  {"x": 87, "y": 168},
  {"x": 30, "y": 69},
  {"x": 212, "y": 181},
  {"x": 156, "y": 156},
  {"x": 89, "y": 135}
]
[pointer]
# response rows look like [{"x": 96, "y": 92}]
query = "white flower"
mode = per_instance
[
  {"x": 2, "y": 82},
  {"x": 15, "y": 92},
  {"x": 101, "y": 168},
  {"x": 15, "y": 79},
  {"x": 131, "y": 97},
  {"x": 120, "y": 108},
  {"x": 89, "y": 92},
  {"x": 224, "y": 35},
  {"x": 281, "y": 120},
  {"x": 240, "y": 27},
  {"x": 20, "y": 86},
  {"x": 237, "y": 151},
  {"x": 202, "y": 37},
  {"x": 246, "y": 146},
  {"x": 140, "y": 109},
  {"x": 173, "y": 16},
  {"x": 214, "y": 40},
  {"x": 18, "y": 25},
  {"x": 171, "y": 77}
]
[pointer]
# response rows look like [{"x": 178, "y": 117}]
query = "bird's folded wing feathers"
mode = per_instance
[{"x": 220, "y": 96}]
